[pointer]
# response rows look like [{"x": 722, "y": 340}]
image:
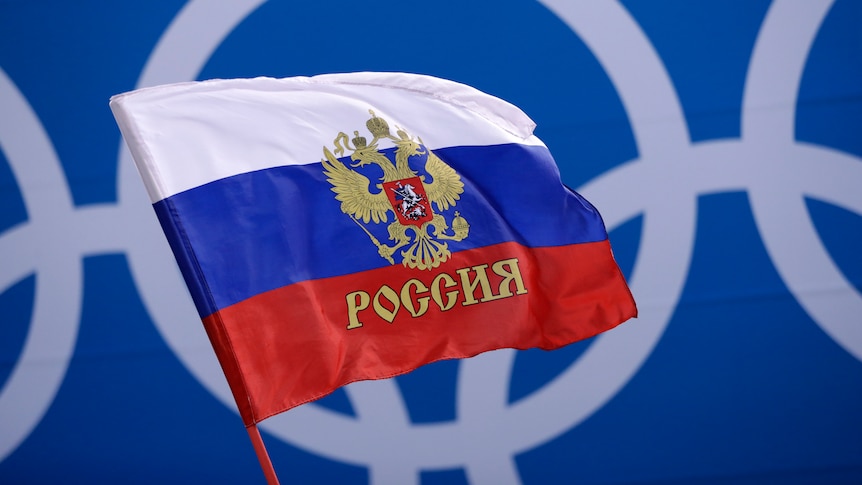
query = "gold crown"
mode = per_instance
[
  {"x": 359, "y": 141},
  {"x": 377, "y": 126}
]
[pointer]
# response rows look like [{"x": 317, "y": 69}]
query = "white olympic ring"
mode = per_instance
[
  {"x": 29, "y": 248},
  {"x": 382, "y": 436}
]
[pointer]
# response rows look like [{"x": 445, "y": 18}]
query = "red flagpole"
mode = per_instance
[{"x": 262, "y": 455}]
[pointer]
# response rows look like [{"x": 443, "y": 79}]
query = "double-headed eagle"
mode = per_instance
[{"x": 401, "y": 190}]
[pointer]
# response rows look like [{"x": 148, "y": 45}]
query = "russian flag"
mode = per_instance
[{"x": 356, "y": 226}]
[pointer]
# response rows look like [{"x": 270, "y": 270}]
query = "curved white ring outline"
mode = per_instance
[
  {"x": 769, "y": 102},
  {"x": 29, "y": 248}
]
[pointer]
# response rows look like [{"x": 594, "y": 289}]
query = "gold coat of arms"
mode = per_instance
[{"x": 402, "y": 190}]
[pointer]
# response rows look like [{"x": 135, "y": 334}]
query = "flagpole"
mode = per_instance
[{"x": 262, "y": 455}]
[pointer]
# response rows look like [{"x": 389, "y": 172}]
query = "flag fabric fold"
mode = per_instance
[{"x": 356, "y": 226}]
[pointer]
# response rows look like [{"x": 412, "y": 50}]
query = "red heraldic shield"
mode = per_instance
[{"x": 409, "y": 201}]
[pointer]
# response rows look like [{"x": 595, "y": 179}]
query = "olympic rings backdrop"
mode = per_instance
[{"x": 721, "y": 140}]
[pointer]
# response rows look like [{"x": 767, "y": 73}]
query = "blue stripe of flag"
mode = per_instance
[{"x": 243, "y": 235}]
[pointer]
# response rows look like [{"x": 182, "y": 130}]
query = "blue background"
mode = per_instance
[{"x": 743, "y": 387}]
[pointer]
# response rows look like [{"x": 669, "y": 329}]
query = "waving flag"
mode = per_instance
[{"x": 357, "y": 226}]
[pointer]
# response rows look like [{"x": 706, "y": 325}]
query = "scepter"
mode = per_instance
[{"x": 377, "y": 243}]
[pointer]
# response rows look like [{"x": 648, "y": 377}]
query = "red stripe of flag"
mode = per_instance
[{"x": 298, "y": 343}]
